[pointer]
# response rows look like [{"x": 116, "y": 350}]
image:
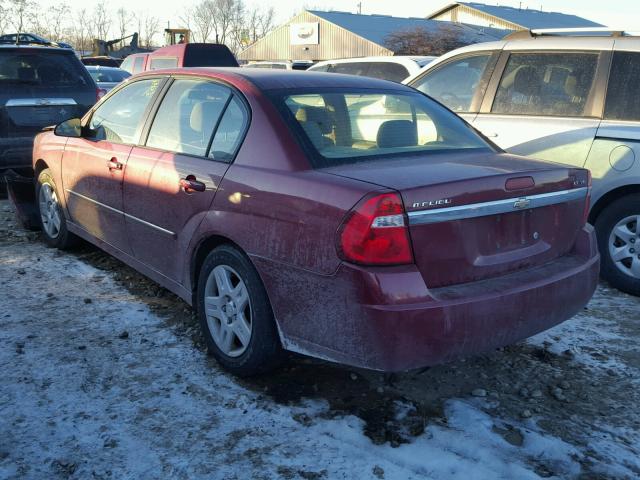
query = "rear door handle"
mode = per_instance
[
  {"x": 189, "y": 184},
  {"x": 114, "y": 164}
]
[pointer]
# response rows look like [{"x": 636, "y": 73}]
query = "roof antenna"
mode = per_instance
[{"x": 359, "y": 8}]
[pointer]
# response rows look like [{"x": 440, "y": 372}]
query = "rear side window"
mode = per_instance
[
  {"x": 387, "y": 71},
  {"x": 160, "y": 63},
  {"x": 42, "y": 68},
  {"x": 455, "y": 84},
  {"x": 188, "y": 116},
  {"x": 230, "y": 132},
  {"x": 118, "y": 119},
  {"x": 552, "y": 84},
  {"x": 623, "y": 101}
]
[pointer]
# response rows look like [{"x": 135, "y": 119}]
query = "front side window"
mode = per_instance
[
  {"x": 350, "y": 126},
  {"x": 187, "y": 117},
  {"x": 455, "y": 83},
  {"x": 551, "y": 84},
  {"x": 119, "y": 118},
  {"x": 623, "y": 101}
]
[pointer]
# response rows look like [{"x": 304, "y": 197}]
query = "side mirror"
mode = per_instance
[{"x": 69, "y": 128}]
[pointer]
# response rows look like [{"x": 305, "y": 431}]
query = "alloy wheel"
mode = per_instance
[
  {"x": 49, "y": 211},
  {"x": 228, "y": 310},
  {"x": 624, "y": 245}
]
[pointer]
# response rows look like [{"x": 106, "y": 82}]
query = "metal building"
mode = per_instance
[
  {"x": 315, "y": 35},
  {"x": 509, "y": 18}
]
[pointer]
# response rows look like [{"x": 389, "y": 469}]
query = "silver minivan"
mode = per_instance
[{"x": 570, "y": 97}]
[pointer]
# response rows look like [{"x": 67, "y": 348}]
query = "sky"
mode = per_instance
[{"x": 620, "y": 14}]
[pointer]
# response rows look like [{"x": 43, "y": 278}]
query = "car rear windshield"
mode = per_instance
[
  {"x": 42, "y": 68},
  {"x": 341, "y": 127},
  {"x": 111, "y": 76}
]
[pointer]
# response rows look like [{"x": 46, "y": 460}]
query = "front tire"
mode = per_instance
[
  {"x": 51, "y": 216},
  {"x": 235, "y": 314},
  {"x": 618, "y": 231}
]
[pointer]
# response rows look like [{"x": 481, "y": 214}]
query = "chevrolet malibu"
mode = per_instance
[{"x": 342, "y": 217}]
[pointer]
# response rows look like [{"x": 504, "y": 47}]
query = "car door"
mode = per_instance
[
  {"x": 94, "y": 166},
  {"x": 171, "y": 181},
  {"x": 460, "y": 82},
  {"x": 545, "y": 104}
]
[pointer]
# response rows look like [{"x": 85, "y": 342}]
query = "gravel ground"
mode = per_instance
[{"x": 105, "y": 376}]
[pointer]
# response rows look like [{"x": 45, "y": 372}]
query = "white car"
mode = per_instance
[
  {"x": 564, "y": 96},
  {"x": 396, "y": 68}
]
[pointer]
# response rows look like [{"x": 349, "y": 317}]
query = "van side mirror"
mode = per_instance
[{"x": 69, "y": 128}]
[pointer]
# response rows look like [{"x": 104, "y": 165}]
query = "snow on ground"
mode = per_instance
[{"x": 96, "y": 385}]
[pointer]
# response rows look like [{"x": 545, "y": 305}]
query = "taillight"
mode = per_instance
[
  {"x": 375, "y": 232},
  {"x": 587, "y": 201},
  {"x": 100, "y": 92}
]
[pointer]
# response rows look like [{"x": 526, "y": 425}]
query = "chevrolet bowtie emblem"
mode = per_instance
[{"x": 522, "y": 203}]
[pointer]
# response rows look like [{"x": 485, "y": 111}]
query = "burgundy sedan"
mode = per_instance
[{"x": 345, "y": 218}]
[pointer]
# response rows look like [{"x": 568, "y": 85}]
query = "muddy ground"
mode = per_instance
[{"x": 578, "y": 382}]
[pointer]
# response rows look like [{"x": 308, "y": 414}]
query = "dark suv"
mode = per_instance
[{"x": 39, "y": 86}]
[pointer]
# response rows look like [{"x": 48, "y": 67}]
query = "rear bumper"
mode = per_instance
[
  {"x": 16, "y": 152},
  {"x": 407, "y": 326}
]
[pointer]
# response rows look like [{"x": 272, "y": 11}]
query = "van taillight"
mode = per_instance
[{"x": 375, "y": 232}]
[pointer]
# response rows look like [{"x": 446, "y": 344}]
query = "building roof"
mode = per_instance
[
  {"x": 376, "y": 28},
  {"x": 525, "y": 17}
]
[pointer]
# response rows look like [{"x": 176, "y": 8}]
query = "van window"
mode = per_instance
[
  {"x": 623, "y": 101},
  {"x": 138, "y": 64},
  {"x": 163, "y": 62},
  {"x": 455, "y": 83},
  {"x": 229, "y": 133},
  {"x": 187, "y": 117},
  {"x": 127, "y": 64},
  {"x": 552, "y": 84},
  {"x": 387, "y": 71}
]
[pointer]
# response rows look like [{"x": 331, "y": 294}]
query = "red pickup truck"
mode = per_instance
[{"x": 181, "y": 55}]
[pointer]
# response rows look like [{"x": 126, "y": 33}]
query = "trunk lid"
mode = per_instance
[{"x": 474, "y": 216}]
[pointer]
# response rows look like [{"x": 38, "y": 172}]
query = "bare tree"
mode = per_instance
[
  {"x": 123, "y": 18},
  {"x": 56, "y": 17},
  {"x": 20, "y": 11},
  {"x": 202, "y": 15},
  {"x": 257, "y": 23},
  {"x": 4, "y": 16},
  {"x": 82, "y": 31},
  {"x": 420, "y": 41},
  {"x": 149, "y": 26},
  {"x": 101, "y": 20}
]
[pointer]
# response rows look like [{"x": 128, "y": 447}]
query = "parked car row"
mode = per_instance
[
  {"x": 351, "y": 218},
  {"x": 566, "y": 99}
]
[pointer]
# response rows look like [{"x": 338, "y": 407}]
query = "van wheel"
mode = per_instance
[
  {"x": 618, "y": 230},
  {"x": 52, "y": 219},
  {"x": 235, "y": 314}
]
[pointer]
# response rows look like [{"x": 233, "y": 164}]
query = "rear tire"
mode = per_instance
[
  {"x": 618, "y": 230},
  {"x": 235, "y": 314},
  {"x": 51, "y": 216}
]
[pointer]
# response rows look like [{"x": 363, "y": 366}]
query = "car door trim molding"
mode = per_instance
[
  {"x": 497, "y": 207},
  {"x": 40, "y": 102},
  {"x": 115, "y": 210}
]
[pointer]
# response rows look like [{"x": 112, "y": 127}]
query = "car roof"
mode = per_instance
[
  {"x": 103, "y": 67},
  {"x": 410, "y": 61},
  {"x": 267, "y": 79},
  {"x": 43, "y": 48}
]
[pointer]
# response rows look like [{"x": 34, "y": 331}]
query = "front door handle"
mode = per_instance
[
  {"x": 114, "y": 164},
  {"x": 189, "y": 184}
]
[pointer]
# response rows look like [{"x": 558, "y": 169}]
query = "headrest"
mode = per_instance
[
  {"x": 204, "y": 115},
  {"x": 26, "y": 74},
  {"x": 527, "y": 81},
  {"x": 316, "y": 115},
  {"x": 397, "y": 133}
]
